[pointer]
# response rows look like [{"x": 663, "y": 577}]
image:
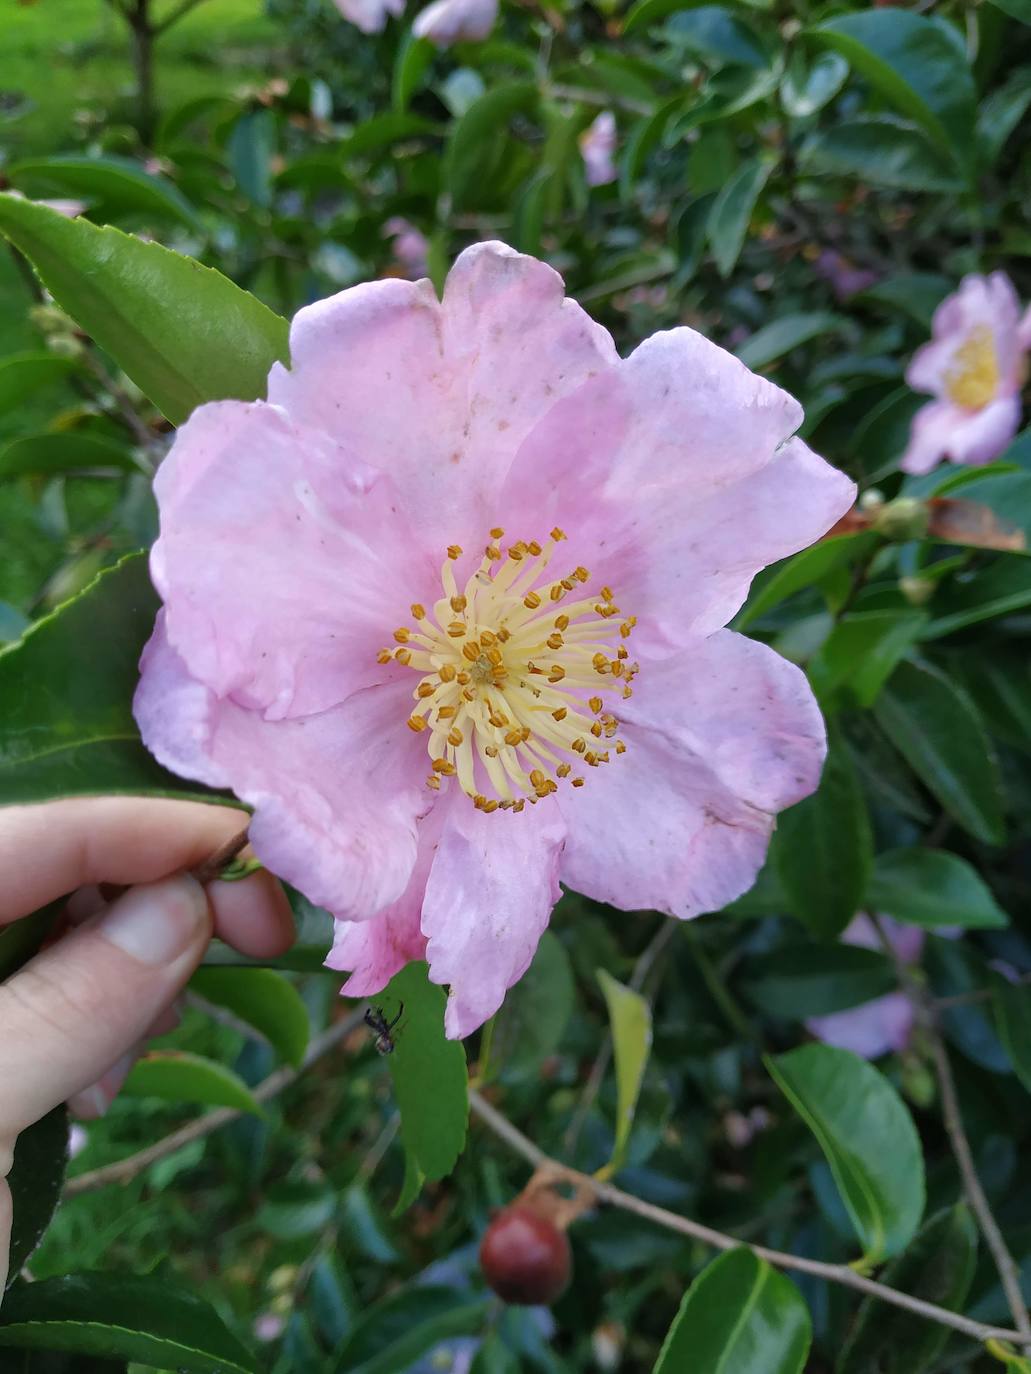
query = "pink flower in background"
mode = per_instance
[
  {"x": 885, "y": 1023},
  {"x": 456, "y": 21},
  {"x": 411, "y": 246},
  {"x": 975, "y": 367},
  {"x": 370, "y": 15},
  {"x": 71, "y": 209},
  {"x": 846, "y": 280},
  {"x": 447, "y": 612},
  {"x": 597, "y": 145}
]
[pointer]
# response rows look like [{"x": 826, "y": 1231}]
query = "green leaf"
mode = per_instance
[
  {"x": 398, "y": 1330},
  {"x": 36, "y": 1179},
  {"x": 74, "y": 735},
  {"x": 919, "y": 65},
  {"x": 630, "y": 1020},
  {"x": 862, "y": 652},
  {"x": 50, "y": 454},
  {"x": 477, "y": 132},
  {"x": 783, "y": 334},
  {"x": 1012, "y": 1008},
  {"x": 1001, "y": 113},
  {"x": 868, "y": 1138},
  {"x": 24, "y": 373},
  {"x": 645, "y": 12},
  {"x": 113, "y": 185},
  {"x": 413, "y": 60},
  {"x": 178, "y": 1076},
  {"x": 265, "y": 1000},
  {"x": 1006, "y": 493},
  {"x": 823, "y": 849},
  {"x": 881, "y": 150},
  {"x": 935, "y": 727},
  {"x": 382, "y": 131},
  {"x": 119, "y": 1315},
  {"x": 534, "y": 1014},
  {"x": 719, "y": 37},
  {"x": 644, "y": 139},
  {"x": 916, "y": 294},
  {"x": 251, "y": 148},
  {"x": 800, "y": 980},
  {"x": 931, "y": 887},
  {"x": 937, "y": 1268},
  {"x": 297, "y": 1208},
  {"x": 732, "y": 210},
  {"x": 738, "y": 1317},
  {"x": 998, "y": 590},
  {"x": 808, "y": 86},
  {"x": 429, "y": 1074},
  {"x": 800, "y": 571},
  {"x": 184, "y": 333}
]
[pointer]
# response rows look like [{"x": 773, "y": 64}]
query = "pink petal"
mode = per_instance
[
  {"x": 281, "y": 561},
  {"x": 336, "y": 796},
  {"x": 440, "y": 395},
  {"x": 979, "y": 303},
  {"x": 869, "y": 1030},
  {"x": 719, "y": 738},
  {"x": 490, "y": 894},
  {"x": 676, "y": 481},
  {"x": 453, "y": 21},
  {"x": 369, "y": 15},
  {"x": 597, "y": 146},
  {"x": 983, "y": 435},
  {"x": 1024, "y": 330},
  {"x": 929, "y": 436}
]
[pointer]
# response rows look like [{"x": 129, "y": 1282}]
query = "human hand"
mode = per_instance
[{"x": 70, "y": 1019}]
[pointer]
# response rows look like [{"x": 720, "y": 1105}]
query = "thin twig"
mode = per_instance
[
  {"x": 1004, "y": 1261},
  {"x": 180, "y": 12},
  {"x": 672, "y": 1221},
  {"x": 214, "y": 864},
  {"x": 125, "y": 1170}
]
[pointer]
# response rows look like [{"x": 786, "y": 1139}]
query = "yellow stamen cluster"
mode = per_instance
[
  {"x": 514, "y": 671},
  {"x": 972, "y": 379}
]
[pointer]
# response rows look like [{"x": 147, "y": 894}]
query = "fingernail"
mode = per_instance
[{"x": 156, "y": 922}]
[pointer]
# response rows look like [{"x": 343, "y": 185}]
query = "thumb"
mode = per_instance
[{"x": 76, "y": 1008}]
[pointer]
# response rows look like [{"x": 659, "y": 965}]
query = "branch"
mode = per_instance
[
  {"x": 125, "y": 1170},
  {"x": 833, "y": 1273},
  {"x": 180, "y": 12}
]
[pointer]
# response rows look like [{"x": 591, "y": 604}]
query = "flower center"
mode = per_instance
[
  {"x": 973, "y": 375},
  {"x": 515, "y": 673}
]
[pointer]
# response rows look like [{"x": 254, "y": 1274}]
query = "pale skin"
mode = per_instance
[{"x": 74, "y": 1013}]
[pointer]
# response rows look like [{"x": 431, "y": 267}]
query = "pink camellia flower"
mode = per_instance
[
  {"x": 446, "y": 612},
  {"x": 885, "y": 1023},
  {"x": 370, "y": 15},
  {"x": 975, "y": 366},
  {"x": 456, "y": 21},
  {"x": 411, "y": 246},
  {"x": 597, "y": 145}
]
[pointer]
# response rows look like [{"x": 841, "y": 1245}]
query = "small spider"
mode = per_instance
[{"x": 382, "y": 1028}]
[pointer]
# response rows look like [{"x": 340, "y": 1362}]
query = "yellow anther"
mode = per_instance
[
  {"x": 442, "y": 767},
  {"x": 458, "y": 603},
  {"x": 403, "y": 655},
  {"x": 595, "y": 703},
  {"x": 447, "y": 713},
  {"x": 531, "y": 601},
  {"x": 491, "y": 750},
  {"x": 560, "y": 714},
  {"x": 491, "y": 805},
  {"x": 620, "y": 747},
  {"x": 402, "y": 635},
  {"x": 581, "y": 574},
  {"x": 578, "y": 746},
  {"x": 425, "y": 689},
  {"x": 537, "y": 778},
  {"x": 455, "y": 736},
  {"x": 596, "y": 729},
  {"x": 557, "y": 673},
  {"x": 564, "y": 770},
  {"x": 576, "y": 782},
  {"x": 471, "y": 650},
  {"x": 434, "y": 782},
  {"x": 558, "y": 534},
  {"x": 454, "y": 551},
  {"x": 384, "y": 656},
  {"x": 514, "y": 737},
  {"x": 418, "y": 610},
  {"x": 457, "y": 628},
  {"x": 417, "y": 723},
  {"x": 534, "y": 548},
  {"x": 447, "y": 672},
  {"x": 492, "y": 552},
  {"x": 554, "y": 641},
  {"x": 557, "y": 592},
  {"x": 463, "y": 679},
  {"x": 562, "y": 622}
]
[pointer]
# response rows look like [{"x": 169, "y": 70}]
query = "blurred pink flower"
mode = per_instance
[
  {"x": 411, "y": 247},
  {"x": 456, "y": 21},
  {"x": 71, "y": 209},
  {"x": 846, "y": 280},
  {"x": 975, "y": 366},
  {"x": 370, "y": 15},
  {"x": 597, "y": 145},
  {"x": 269, "y": 1326},
  {"x": 400, "y": 599},
  {"x": 885, "y": 1023}
]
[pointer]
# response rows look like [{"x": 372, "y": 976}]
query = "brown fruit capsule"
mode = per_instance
[{"x": 525, "y": 1258}]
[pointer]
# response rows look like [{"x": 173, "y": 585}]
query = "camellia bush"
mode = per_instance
[{"x": 559, "y": 470}]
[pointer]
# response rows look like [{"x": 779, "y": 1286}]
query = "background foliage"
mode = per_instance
[{"x": 802, "y": 183}]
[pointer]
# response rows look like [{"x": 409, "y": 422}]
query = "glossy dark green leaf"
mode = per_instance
[
  {"x": 642, "y": 13},
  {"x": 808, "y": 85},
  {"x": 36, "y": 1179},
  {"x": 183, "y": 332},
  {"x": 738, "y": 1317},
  {"x": 534, "y": 1014},
  {"x": 251, "y": 148},
  {"x": 113, "y": 185},
  {"x": 862, "y": 652},
  {"x": 931, "y": 887},
  {"x": 998, "y": 590},
  {"x": 178, "y": 1076},
  {"x": 794, "y": 574},
  {"x": 916, "y": 62},
  {"x": 263, "y": 999},
  {"x": 428, "y": 1071},
  {"x": 868, "y": 1138},
  {"x": 118, "y": 1315},
  {"x": 823, "y": 848},
  {"x": 374, "y": 136},
  {"x": 937, "y": 1267},
  {"x": 732, "y": 210},
  {"x": 916, "y": 294},
  {"x": 935, "y": 727},
  {"x": 719, "y": 36},
  {"x": 630, "y": 1020},
  {"x": 801, "y": 980},
  {"x": 296, "y": 1208},
  {"x": 75, "y": 735},
  {"x": 48, "y": 455},
  {"x": 413, "y": 60},
  {"x": 24, "y": 373},
  {"x": 1012, "y": 1007},
  {"x": 398, "y": 1330},
  {"x": 1001, "y": 113},
  {"x": 883, "y": 151},
  {"x": 477, "y": 131},
  {"x": 783, "y": 334}
]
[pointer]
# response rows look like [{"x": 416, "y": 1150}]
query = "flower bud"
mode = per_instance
[
  {"x": 902, "y": 519},
  {"x": 525, "y": 1258}
]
